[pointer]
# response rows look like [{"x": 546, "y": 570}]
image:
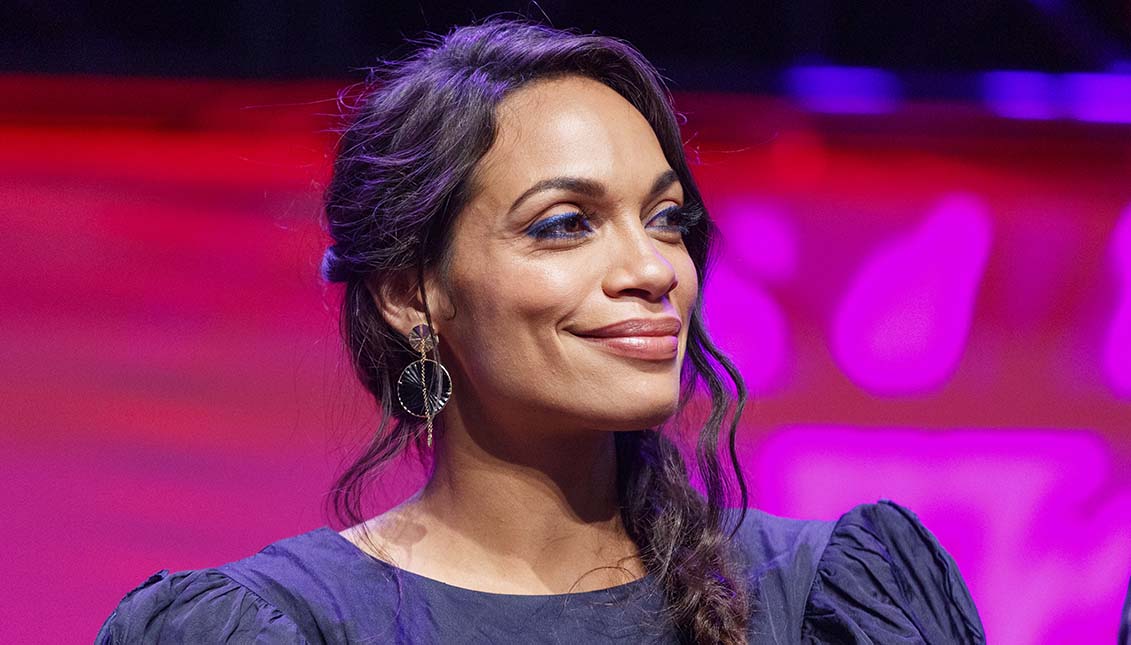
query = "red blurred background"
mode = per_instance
[{"x": 175, "y": 395}]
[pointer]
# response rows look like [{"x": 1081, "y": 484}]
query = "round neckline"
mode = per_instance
[{"x": 615, "y": 590}]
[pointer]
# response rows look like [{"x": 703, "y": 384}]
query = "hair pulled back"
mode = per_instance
[{"x": 403, "y": 171}]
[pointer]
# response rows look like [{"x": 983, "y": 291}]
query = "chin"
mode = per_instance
[{"x": 624, "y": 417}]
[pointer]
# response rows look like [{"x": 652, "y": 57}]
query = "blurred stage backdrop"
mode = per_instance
[{"x": 926, "y": 280}]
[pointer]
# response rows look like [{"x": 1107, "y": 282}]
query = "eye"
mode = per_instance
[
  {"x": 562, "y": 226},
  {"x": 678, "y": 218}
]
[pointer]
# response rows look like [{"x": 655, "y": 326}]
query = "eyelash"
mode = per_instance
[
  {"x": 546, "y": 228},
  {"x": 687, "y": 216}
]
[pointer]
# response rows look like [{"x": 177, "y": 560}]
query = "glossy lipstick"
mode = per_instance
[{"x": 654, "y": 339}]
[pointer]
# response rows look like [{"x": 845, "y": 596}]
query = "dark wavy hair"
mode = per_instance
[{"x": 412, "y": 137}]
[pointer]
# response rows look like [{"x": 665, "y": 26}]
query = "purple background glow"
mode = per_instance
[{"x": 930, "y": 305}]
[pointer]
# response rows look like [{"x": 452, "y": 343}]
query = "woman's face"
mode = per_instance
[{"x": 574, "y": 227}]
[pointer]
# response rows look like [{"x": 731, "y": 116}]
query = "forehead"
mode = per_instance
[{"x": 568, "y": 126}]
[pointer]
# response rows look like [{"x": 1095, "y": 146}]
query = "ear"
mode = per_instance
[{"x": 397, "y": 296}]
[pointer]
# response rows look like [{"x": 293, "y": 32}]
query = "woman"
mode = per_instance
[{"x": 522, "y": 246}]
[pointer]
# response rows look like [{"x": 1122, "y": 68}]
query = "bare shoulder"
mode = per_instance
[{"x": 389, "y": 536}]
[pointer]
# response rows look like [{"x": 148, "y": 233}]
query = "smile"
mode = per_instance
[
  {"x": 651, "y": 348},
  {"x": 650, "y": 339}
]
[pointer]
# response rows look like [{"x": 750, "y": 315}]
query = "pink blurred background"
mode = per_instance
[{"x": 931, "y": 303}]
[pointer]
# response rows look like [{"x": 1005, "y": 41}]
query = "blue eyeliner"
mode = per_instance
[
  {"x": 540, "y": 230},
  {"x": 687, "y": 217}
]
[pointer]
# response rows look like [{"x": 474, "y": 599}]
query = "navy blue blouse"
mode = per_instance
[{"x": 876, "y": 575}]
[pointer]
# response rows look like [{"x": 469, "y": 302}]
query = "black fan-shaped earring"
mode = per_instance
[{"x": 424, "y": 386}]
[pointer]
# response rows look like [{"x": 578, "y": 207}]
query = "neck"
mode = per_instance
[
  {"x": 532, "y": 507},
  {"x": 532, "y": 483}
]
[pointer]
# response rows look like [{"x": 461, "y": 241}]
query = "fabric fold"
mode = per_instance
[
  {"x": 884, "y": 578},
  {"x": 200, "y": 606}
]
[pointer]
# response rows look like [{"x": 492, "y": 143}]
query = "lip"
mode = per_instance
[
  {"x": 653, "y": 339},
  {"x": 636, "y": 327}
]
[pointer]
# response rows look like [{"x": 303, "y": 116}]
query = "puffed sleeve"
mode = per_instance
[
  {"x": 201, "y": 606},
  {"x": 884, "y": 578}
]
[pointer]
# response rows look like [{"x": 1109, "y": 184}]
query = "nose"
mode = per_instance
[{"x": 638, "y": 266}]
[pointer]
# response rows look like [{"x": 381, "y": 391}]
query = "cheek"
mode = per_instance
[
  {"x": 530, "y": 293},
  {"x": 508, "y": 311}
]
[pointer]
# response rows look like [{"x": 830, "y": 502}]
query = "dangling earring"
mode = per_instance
[{"x": 424, "y": 386}]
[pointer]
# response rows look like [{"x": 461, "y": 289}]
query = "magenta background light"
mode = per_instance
[
  {"x": 1117, "y": 351},
  {"x": 749, "y": 326},
  {"x": 1035, "y": 517},
  {"x": 902, "y": 326},
  {"x": 930, "y": 304}
]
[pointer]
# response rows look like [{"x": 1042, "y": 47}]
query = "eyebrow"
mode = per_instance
[{"x": 590, "y": 187}]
